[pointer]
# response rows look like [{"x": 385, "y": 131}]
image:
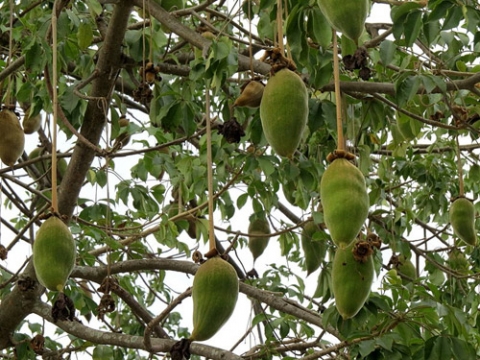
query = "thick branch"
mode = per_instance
[
  {"x": 389, "y": 88},
  {"x": 97, "y": 274},
  {"x": 108, "y": 66},
  {"x": 195, "y": 39},
  {"x": 18, "y": 304},
  {"x": 128, "y": 341}
]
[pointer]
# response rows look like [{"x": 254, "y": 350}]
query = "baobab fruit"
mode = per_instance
[
  {"x": 405, "y": 267},
  {"x": 457, "y": 261},
  {"x": 258, "y": 243},
  {"x": 44, "y": 167},
  {"x": 462, "y": 218},
  {"x": 172, "y": 5},
  {"x": 284, "y": 111},
  {"x": 345, "y": 201},
  {"x": 31, "y": 123},
  {"x": 124, "y": 137},
  {"x": 12, "y": 138},
  {"x": 251, "y": 95},
  {"x": 347, "y": 16},
  {"x": 351, "y": 281},
  {"x": 313, "y": 250},
  {"x": 214, "y": 294},
  {"x": 53, "y": 254}
]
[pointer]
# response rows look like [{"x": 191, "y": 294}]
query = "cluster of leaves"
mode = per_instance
[{"x": 139, "y": 212}]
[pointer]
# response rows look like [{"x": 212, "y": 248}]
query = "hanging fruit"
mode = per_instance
[
  {"x": 251, "y": 94},
  {"x": 314, "y": 250},
  {"x": 43, "y": 167},
  {"x": 54, "y": 254},
  {"x": 345, "y": 201},
  {"x": 31, "y": 124},
  {"x": 214, "y": 294},
  {"x": 284, "y": 111},
  {"x": 123, "y": 137},
  {"x": 347, "y": 16},
  {"x": 12, "y": 138},
  {"x": 352, "y": 277},
  {"x": 405, "y": 267},
  {"x": 257, "y": 244},
  {"x": 462, "y": 218}
]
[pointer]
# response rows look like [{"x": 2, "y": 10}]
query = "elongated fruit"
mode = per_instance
[
  {"x": 251, "y": 95},
  {"x": 314, "y": 250},
  {"x": 12, "y": 138},
  {"x": 214, "y": 293},
  {"x": 345, "y": 201},
  {"x": 406, "y": 267},
  {"x": 257, "y": 244},
  {"x": 347, "y": 16},
  {"x": 53, "y": 254},
  {"x": 44, "y": 167},
  {"x": 458, "y": 261},
  {"x": 351, "y": 280},
  {"x": 31, "y": 124},
  {"x": 284, "y": 111},
  {"x": 462, "y": 218}
]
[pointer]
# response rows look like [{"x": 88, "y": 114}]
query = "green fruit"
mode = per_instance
[
  {"x": 53, "y": 254},
  {"x": 172, "y": 5},
  {"x": 313, "y": 249},
  {"x": 458, "y": 261},
  {"x": 345, "y": 201},
  {"x": 40, "y": 201},
  {"x": 347, "y": 16},
  {"x": 406, "y": 267},
  {"x": 351, "y": 280},
  {"x": 214, "y": 294},
  {"x": 31, "y": 124},
  {"x": 44, "y": 167},
  {"x": 284, "y": 111},
  {"x": 462, "y": 218},
  {"x": 397, "y": 135},
  {"x": 258, "y": 244},
  {"x": 12, "y": 138}
]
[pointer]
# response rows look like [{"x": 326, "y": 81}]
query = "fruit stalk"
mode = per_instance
[
  {"x": 55, "y": 110},
  {"x": 280, "y": 26},
  {"x": 211, "y": 234},
  {"x": 338, "y": 98}
]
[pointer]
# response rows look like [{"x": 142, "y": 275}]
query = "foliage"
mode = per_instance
[{"x": 138, "y": 207}]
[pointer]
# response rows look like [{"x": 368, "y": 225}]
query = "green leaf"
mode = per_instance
[
  {"x": 84, "y": 35},
  {"x": 387, "y": 52},
  {"x": 413, "y": 25},
  {"x": 438, "y": 348},
  {"x": 366, "y": 347},
  {"x": 318, "y": 27},
  {"x": 102, "y": 352}
]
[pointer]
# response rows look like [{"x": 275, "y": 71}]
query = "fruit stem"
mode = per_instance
[
  {"x": 338, "y": 98},
  {"x": 55, "y": 109},
  {"x": 211, "y": 234},
  {"x": 460, "y": 170},
  {"x": 280, "y": 26}
]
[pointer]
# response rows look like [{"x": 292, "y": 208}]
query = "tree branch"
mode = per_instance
[{"x": 128, "y": 341}]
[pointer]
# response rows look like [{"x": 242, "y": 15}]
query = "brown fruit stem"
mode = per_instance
[
  {"x": 211, "y": 234},
  {"x": 460, "y": 171},
  {"x": 338, "y": 98},
  {"x": 280, "y": 26},
  {"x": 55, "y": 110}
]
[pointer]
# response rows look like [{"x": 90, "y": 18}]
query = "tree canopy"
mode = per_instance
[{"x": 157, "y": 162}]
